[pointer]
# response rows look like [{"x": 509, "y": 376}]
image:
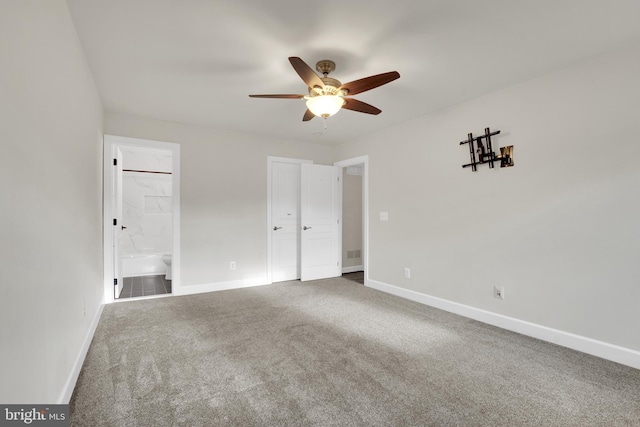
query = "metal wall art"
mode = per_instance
[{"x": 480, "y": 153}]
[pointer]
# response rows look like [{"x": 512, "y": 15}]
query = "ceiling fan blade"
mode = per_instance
[
  {"x": 359, "y": 106},
  {"x": 308, "y": 115},
  {"x": 362, "y": 85},
  {"x": 305, "y": 72},
  {"x": 292, "y": 96}
]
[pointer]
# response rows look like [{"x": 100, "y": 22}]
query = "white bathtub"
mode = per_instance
[{"x": 142, "y": 265}]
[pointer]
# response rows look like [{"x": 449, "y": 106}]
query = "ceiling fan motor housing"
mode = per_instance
[{"x": 331, "y": 85}]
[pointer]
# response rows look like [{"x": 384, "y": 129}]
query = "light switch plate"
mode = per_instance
[{"x": 384, "y": 216}]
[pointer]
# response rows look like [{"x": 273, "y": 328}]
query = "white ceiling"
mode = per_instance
[{"x": 195, "y": 61}]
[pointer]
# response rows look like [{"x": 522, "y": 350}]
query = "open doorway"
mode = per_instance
[
  {"x": 141, "y": 218},
  {"x": 354, "y": 218},
  {"x": 352, "y": 242}
]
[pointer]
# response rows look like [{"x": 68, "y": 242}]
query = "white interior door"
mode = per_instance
[
  {"x": 320, "y": 238},
  {"x": 285, "y": 221},
  {"x": 117, "y": 223}
]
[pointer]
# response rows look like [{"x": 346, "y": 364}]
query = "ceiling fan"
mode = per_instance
[{"x": 327, "y": 95}]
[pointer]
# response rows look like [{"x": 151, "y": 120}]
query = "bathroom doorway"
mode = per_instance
[{"x": 141, "y": 189}]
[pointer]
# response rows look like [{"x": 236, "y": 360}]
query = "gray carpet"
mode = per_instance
[{"x": 334, "y": 353}]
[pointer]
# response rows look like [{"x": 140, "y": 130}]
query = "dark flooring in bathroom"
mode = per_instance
[{"x": 143, "y": 286}]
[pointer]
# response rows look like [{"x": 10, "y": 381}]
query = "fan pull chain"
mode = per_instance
[{"x": 324, "y": 125}]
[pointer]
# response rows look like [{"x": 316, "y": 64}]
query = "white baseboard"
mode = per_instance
[
  {"x": 352, "y": 269},
  {"x": 590, "y": 346},
  {"x": 219, "y": 286},
  {"x": 67, "y": 391}
]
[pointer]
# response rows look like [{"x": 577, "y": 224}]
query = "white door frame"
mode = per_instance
[
  {"x": 117, "y": 210},
  {"x": 270, "y": 161},
  {"x": 110, "y": 143},
  {"x": 365, "y": 207}
]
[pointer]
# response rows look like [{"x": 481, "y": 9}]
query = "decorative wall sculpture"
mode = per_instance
[{"x": 480, "y": 153}]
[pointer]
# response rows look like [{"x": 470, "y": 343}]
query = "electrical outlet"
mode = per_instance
[
  {"x": 232, "y": 265},
  {"x": 498, "y": 292},
  {"x": 407, "y": 272},
  {"x": 84, "y": 309}
]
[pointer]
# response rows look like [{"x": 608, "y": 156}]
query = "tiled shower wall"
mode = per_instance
[{"x": 147, "y": 204}]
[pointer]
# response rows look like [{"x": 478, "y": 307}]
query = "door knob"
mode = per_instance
[
  {"x": 275, "y": 228},
  {"x": 122, "y": 227},
  {"x": 306, "y": 228}
]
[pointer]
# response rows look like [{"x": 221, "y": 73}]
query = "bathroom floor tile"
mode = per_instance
[{"x": 140, "y": 286}]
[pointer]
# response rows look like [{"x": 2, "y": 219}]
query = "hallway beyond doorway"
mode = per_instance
[{"x": 357, "y": 276}]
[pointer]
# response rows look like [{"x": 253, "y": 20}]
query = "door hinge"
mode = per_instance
[
  {"x": 115, "y": 221},
  {"x": 115, "y": 162},
  {"x": 115, "y": 282}
]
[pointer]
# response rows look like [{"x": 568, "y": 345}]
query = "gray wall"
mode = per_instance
[
  {"x": 50, "y": 181},
  {"x": 559, "y": 230},
  {"x": 223, "y": 200}
]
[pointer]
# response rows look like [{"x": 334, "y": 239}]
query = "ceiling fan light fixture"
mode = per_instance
[
  {"x": 328, "y": 95},
  {"x": 324, "y": 105}
]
